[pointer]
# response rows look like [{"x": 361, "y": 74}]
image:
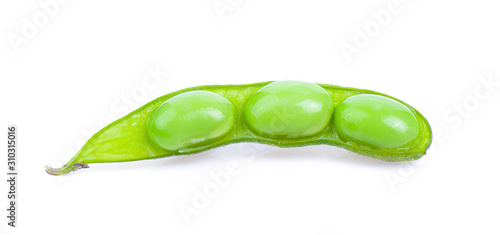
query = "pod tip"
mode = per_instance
[{"x": 65, "y": 169}]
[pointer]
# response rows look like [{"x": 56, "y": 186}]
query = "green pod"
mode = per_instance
[{"x": 283, "y": 114}]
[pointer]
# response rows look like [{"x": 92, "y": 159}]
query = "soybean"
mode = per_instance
[{"x": 283, "y": 113}]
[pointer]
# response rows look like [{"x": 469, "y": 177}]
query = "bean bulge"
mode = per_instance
[
  {"x": 375, "y": 121},
  {"x": 289, "y": 109},
  {"x": 190, "y": 119}
]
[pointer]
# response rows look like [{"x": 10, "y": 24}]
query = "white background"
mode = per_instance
[{"x": 86, "y": 65}]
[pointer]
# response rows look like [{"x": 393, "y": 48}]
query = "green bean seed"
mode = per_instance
[
  {"x": 289, "y": 109},
  {"x": 191, "y": 118},
  {"x": 375, "y": 121}
]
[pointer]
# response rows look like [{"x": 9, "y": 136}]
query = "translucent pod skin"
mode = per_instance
[
  {"x": 284, "y": 114},
  {"x": 190, "y": 119},
  {"x": 289, "y": 109},
  {"x": 375, "y": 121}
]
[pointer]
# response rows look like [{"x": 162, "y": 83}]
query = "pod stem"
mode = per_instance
[{"x": 65, "y": 169}]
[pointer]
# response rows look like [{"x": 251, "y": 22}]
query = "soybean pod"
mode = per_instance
[{"x": 282, "y": 113}]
